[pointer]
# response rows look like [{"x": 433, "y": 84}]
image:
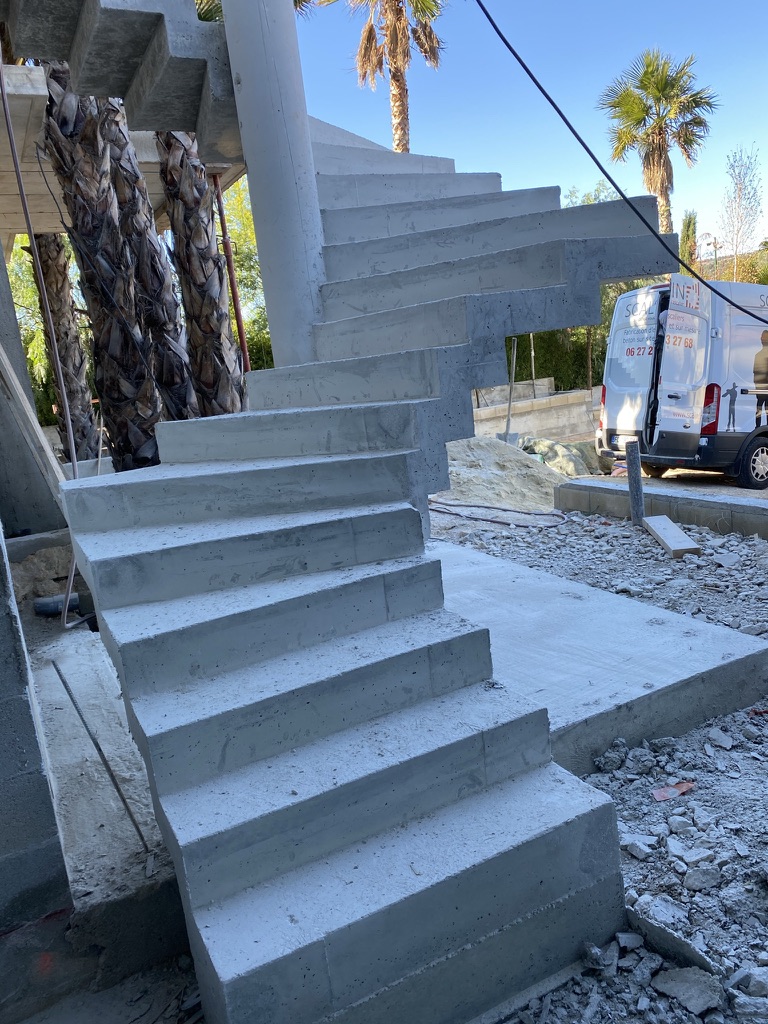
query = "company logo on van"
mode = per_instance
[
  {"x": 686, "y": 294},
  {"x": 639, "y": 307},
  {"x": 763, "y": 300}
]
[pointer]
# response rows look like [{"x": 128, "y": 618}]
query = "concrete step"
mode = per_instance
[
  {"x": 357, "y": 224},
  {"x": 247, "y": 827},
  {"x": 227, "y": 722},
  {"x": 416, "y": 248},
  {"x": 185, "y": 493},
  {"x": 433, "y": 922},
  {"x": 288, "y": 432},
  {"x": 531, "y": 266},
  {"x": 407, "y": 376},
  {"x": 158, "y": 563},
  {"x": 340, "y": 159},
  {"x": 346, "y": 190},
  {"x": 165, "y": 644}
]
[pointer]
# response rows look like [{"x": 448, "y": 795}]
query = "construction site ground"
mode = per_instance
[{"x": 654, "y": 671}]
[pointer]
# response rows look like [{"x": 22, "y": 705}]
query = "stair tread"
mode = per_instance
[
  {"x": 328, "y": 764},
  {"x": 136, "y": 622},
  {"x": 305, "y": 906},
  {"x": 98, "y": 544},
  {"x": 288, "y": 672},
  {"x": 171, "y": 470}
]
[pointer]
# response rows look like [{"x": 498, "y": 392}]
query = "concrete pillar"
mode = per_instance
[
  {"x": 271, "y": 108},
  {"x": 26, "y": 502}
]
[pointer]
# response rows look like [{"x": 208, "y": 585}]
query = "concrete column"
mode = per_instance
[{"x": 271, "y": 108}]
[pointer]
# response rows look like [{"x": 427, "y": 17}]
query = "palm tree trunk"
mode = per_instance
[
  {"x": 665, "y": 212},
  {"x": 215, "y": 358},
  {"x": 54, "y": 261},
  {"x": 80, "y": 157},
  {"x": 398, "y": 98},
  {"x": 156, "y": 302}
]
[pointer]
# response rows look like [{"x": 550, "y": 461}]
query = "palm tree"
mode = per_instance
[
  {"x": 656, "y": 106},
  {"x": 54, "y": 263},
  {"x": 215, "y": 359},
  {"x": 391, "y": 27},
  {"x": 130, "y": 401},
  {"x": 389, "y": 30}
]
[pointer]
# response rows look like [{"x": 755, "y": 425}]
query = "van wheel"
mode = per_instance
[
  {"x": 655, "y": 472},
  {"x": 754, "y": 465}
]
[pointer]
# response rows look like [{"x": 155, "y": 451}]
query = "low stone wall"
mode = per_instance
[{"x": 563, "y": 416}]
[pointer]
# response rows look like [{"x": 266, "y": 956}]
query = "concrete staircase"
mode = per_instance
[{"x": 365, "y": 827}]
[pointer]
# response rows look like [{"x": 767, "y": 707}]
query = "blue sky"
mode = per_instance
[{"x": 480, "y": 109}]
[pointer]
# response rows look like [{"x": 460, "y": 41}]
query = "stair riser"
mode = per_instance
[
  {"x": 408, "y": 375},
  {"x": 269, "y": 845},
  {"x": 341, "y": 191},
  {"x": 199, "y": 651},
  {"x": 366, "y": 223},
  {"x": 242, "y": 560},
  {"x": 334, "y": 431},
  {"x": 201, "y": 495},
  {"x": 537, "y": 266},
  {"x": 447, "y": 954},
  {"x": 191, "y": 754}
]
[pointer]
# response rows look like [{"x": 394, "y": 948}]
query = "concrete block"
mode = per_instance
[
  {"x": 347, "y": 190},
  {"x": 572, "y": 498},
  {"x": 159, "y": 564},
  {"x": 412, "y": 375},
  {"x": 248, "y": 715},
  {"x": 322, "y": 430},
  {"x": 357, "y": 224},
  {"x": 535, "y": 266},
  {"x": 702, "y": 512},
  {"x": 453, "y": 878},
  {"x": 170, "y": 644},
  {"x": 340, "y": 159},
  {"x": 749, "y": 522},
  {"x": 171, "y": 494},
  {"x": 433, "y": 243}
]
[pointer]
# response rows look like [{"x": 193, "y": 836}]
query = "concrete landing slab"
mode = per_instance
[
  {"x": 686, "y": 497},
  {"x": 603, "y": 665}
]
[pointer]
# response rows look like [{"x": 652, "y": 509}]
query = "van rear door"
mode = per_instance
[
  {"x": 683, "y": 370},
  {"x": 629, "y": 365}
]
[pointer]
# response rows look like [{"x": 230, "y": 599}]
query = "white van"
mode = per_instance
[{"x": 687, "y": 375}]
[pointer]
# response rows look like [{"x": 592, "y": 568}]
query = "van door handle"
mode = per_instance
[{"x": 673, "y": 395}]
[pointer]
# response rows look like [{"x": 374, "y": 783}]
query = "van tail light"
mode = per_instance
[
  {"x": 711, "y": 411},
  {"x": 602, "y": 408}
]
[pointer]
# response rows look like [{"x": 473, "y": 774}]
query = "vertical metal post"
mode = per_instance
[
  {"x": 512, "y": 365},
  {"x": 233, "y": 289},
  {"x": 634, "y": 477},
  {"x": 533, "y": 368}
]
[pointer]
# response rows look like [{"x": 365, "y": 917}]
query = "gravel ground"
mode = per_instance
[{"x": 696, "y": 861}]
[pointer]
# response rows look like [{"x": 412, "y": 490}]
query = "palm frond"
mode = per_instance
[
  {"x": 427, "y": 43},
  {"x": 209, "y": 10}
]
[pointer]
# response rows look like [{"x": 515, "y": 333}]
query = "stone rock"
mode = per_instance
[
  {"x": 750, "y": 1008},
  {"x": 756, "y": 982},
  {"x": 629, "y": 940},
  {"x": 720, "y": 739},
  {"x": 698, "y": 855},
  {"x": 614, "y": 757},
  {"x": 726, "y": 559},
  {"x": 677, "y": 823},
  {"x": 638, "y": 850},
  {"x": 662, "y": 910},
  {"x": 639, "y": 760},
  {"x": 675, "y": 848},
  {"x": 695, "y": 989},
  {"x": 699, "y": 879}
]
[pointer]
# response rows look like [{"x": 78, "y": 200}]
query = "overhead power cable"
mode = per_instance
[{"x": 600, "y": 166}]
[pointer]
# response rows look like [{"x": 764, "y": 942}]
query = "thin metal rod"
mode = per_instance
[
  {"x": 234, "y": 290},
  {"x": 512, "y": 367},
  {"x": 102, "y": 756}
]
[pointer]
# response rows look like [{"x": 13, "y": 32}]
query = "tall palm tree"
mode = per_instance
[
  {"x": 656, "y": 106},
  {"x": 216, "y": 363},
  {"x": 130, "y": 401},
  {"x": 54, "y": 264},
  {"x": 390, "y": 28}
]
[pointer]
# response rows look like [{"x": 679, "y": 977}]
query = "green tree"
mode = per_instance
[
  {"x": 601, "y": 193},
  {"x": 742, "y": 203},
  {"x": 655, "y": 107},
  {"x": 688, "y": 239},
  {"x": 385, "y": 48}
]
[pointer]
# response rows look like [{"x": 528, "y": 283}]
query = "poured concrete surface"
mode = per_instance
[{"x": 603, "y": 665}]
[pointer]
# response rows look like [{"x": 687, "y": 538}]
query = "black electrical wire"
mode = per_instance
[{"x": 660, "y": 238}]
